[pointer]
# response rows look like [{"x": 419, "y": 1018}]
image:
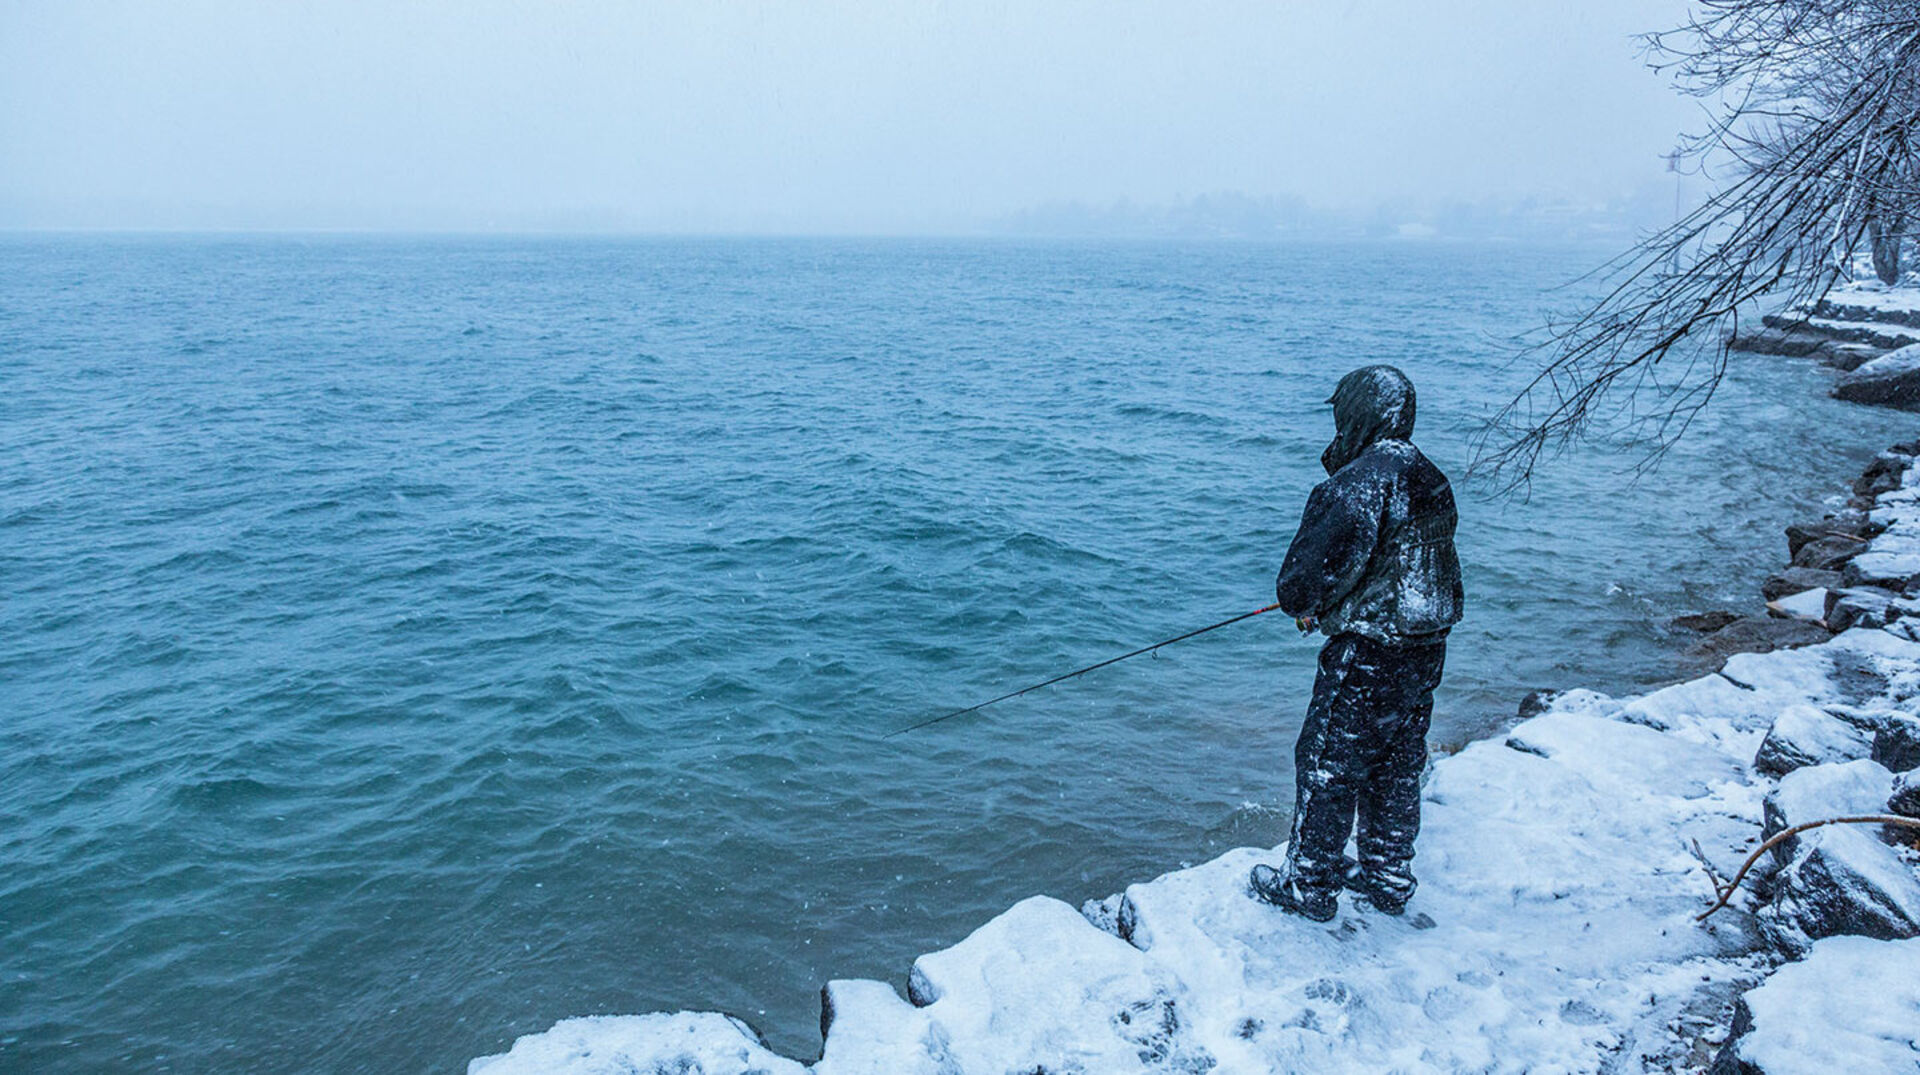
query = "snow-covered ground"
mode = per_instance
[{"x": 1563, "y": 864}]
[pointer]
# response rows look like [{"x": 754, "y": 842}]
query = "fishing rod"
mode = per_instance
[{"x": 1079, "y": 671}]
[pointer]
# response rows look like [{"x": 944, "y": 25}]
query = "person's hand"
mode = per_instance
[{"x": 1307, "y": 624}]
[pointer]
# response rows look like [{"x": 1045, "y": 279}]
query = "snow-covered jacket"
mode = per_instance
[{"x": 1374, "y": 553}]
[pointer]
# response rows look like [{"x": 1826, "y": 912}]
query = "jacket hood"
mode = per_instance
[{"x": 1371, "y": 404}]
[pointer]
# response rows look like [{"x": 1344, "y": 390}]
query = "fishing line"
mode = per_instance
[{"x": 1078, "y": 671}]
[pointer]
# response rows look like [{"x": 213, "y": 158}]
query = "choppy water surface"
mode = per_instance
[{"x": 407, "y": 643}]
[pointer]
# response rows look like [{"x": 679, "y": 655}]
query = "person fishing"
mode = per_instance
[{"x": 1373, "y": 567}]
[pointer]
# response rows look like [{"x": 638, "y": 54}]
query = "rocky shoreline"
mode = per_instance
[
  {"x": 1566, "y": 864},
  {"x": 1868, "y": 331}
]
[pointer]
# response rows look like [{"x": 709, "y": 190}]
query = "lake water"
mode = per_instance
[{"x": 407, "y": 643}]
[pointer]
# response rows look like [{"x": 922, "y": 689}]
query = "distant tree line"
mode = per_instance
[{"x": 1812, "y": 107}]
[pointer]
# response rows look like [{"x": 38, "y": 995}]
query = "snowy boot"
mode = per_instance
[
  {"x": 1388, "y": 895},
  {"x": 1269, "y": 885}
]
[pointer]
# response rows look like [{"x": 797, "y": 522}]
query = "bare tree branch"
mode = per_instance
[{"x": 1819, "y": 105}]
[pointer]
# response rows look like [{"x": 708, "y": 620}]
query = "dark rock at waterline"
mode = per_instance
[
  {"x": 1905, "y": 799},
  {"x": 1537, "y": 702},
  {"x": 1896, "y": 744},
  {"x": 1892, "y": 380},
  {"x": 1828, "y": 553},
  {"x": 1851, "y": 524},
  {"x": 1846, "y": 357},
  {"x": 1787, "y": 342},
  {"x": 1883, "y": 474},
  {"x": 1802, "y": 735},
  {"x": 1704, "y": 622},
  {"x": 1759, "y": 634},
  {"x": 1798, "y": 580}
]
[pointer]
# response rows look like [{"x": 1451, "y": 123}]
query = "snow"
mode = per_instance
[
  {"x": 1852, "y": 1005},
  {"x": 1877, "y": 297},
  {"x": 1879, "y": 333},
  {"x": 621, "y": 1044},
  {"x": 1895, "y": 552},
  {"x": 1823, "y": 791},
  {"x": 1897, "y": 361},
  {"x": 1804, "y": 735}
]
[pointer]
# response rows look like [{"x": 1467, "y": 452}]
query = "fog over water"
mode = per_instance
[{"x": 849, "y": 117}]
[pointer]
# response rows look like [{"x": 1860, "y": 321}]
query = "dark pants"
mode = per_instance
[{"x": 1362, "y": 750}]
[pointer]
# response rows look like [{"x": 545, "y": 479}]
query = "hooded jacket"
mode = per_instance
[{"x": 1374, "y": 553}]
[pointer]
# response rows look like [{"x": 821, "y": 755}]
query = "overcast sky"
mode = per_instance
[{"x": 881, "y": 116}]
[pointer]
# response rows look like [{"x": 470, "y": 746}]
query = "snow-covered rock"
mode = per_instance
[
  {"x": 1904, "y": 799},
  {"x": 1853, "y": 1005},
  {"x": 1805, "y": 605},
  {"x": 1862, "y": 606},
  {"x": 1795, "y": 580},
  {"x": 1838, "y": 879},
  {"x": 1846, "y": 882},
  {"x": 1891, "y": 559},
  {"x": 1039, "y": 987},
  {"x": 1818, "y": 792},
  {"x": 1891, "y": 380},
  {"x": 683, "y": 1043},
  {"x": 1804, "y": 735},
  {"x": 1896, "y": 744},
  {"x": 1871, "y": 300}
]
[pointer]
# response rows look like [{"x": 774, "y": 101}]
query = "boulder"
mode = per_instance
[
  {"x": 1892, "y": 380},
  {"x": 605, "y": 1045},
  {"x": 1845, "y": 357},
  {"x": 1828, "y": 553},
  {"x": 1537, "y": 702},
  {"x": 1852, "y": 302},
  {"x": 1802, "y": 735},
  {"x": 1883, "y": 474},
  {"x": 1817, "y": 792},
  {"x": 1862, "y": 606},
  {"x": 1786, "y": 342},
  {"x": 1805, "y": 605},
  {"x": 1798, "y": 580},
  {"x": 1852, "y": 524},
  {"x": 1850, "y": 1006},
  {"x": 1842, "y": 881},
  {"x": 1896, "y": 744},
  {"x": 1896, "y": 572},
  {"x": 1839, "y": 879},
  {"x": 1702, "y": 622},
  {"x": 1905, "y": 797},
  {"x": 1759, "y": 634}
]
